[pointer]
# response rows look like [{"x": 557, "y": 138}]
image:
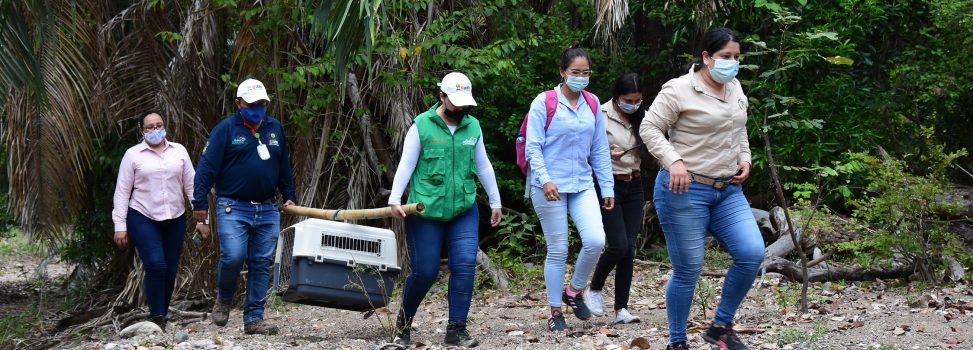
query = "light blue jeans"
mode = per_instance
[
  {"x": 248, "y": 233},
  {"x": 685, "y": 218},
  {"x": 584, "y": 209}
]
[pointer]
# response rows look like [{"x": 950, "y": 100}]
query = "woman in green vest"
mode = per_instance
[{"x": 443, "y": 152}]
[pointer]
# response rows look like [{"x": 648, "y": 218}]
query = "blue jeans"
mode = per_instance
[
  {"x": 584, "y": 209},
  {"x": 685, "y": 218},
  {"x": 247, "y": 233},
  {"x": 159, "y": 244},
  {"x": 425, "y": 239},
  {"x": 622, "y": 226}
]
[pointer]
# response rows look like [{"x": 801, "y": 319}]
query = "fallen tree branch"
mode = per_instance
[
  {"x": 792, "y": 271},
  {"x": 497, "y": 275}
]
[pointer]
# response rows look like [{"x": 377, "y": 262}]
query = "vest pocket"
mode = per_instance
[
  {"x": 435, "y": 158},
  {"x": 469, "y": 187},
  {"x": 431, "y": 188}
]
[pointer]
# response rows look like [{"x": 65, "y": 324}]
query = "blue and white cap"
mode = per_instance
[{"x": 252, "y": 90}]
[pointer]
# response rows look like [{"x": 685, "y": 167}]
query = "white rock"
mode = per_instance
[
  {"x": 144, "y": 328},
  {"x": 110, "y": 346}
]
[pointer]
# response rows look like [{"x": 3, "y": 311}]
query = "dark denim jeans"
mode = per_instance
[
  {"x": 248, "y": 232},
  {"x": 685, "y": 218},
  {"x": 159, "y": 244},
  {"x": 425, "y": 239},
  {"x": 622, "y": 226}
]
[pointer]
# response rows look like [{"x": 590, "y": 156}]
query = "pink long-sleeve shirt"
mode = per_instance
[{"x": 155, "y": 185}]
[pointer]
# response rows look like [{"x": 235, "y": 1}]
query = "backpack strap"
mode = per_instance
[
  {"x": 590, "y": 100},
  {"x": 550, "y": 105}
]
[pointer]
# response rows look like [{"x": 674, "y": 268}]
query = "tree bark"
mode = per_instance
[
  {"x": 497, "y": 275},
  {"x": 792, "y": 271}
]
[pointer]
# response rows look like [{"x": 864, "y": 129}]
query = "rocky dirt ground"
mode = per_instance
[{"x": 869, "y": 315}]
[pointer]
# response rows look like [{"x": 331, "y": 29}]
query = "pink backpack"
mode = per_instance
[{"x": 550, "y": 104}]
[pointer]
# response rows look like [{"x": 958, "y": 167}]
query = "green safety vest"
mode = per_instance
[{"x": 444, "y": 176}]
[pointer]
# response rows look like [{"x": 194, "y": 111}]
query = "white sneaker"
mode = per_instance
[
  {"x": 622, "y": 316},
  {"x": 595, "y": 302}
]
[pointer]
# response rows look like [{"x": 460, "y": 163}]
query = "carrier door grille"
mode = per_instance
[
  {"x": 354, "y": 244},
  {"x": 286, "y": 259}
]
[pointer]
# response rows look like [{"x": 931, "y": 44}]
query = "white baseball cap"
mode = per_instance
[
  {"x": 458, "y": 88},
  {"x": 252, "y": 90}
]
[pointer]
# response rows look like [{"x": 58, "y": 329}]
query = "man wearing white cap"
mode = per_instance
[
  {"x": 443, "y": 152},
  {"x": 247, "y": 159}
]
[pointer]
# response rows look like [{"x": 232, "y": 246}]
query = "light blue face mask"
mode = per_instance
[
  {"x": 724, "y": 71},
  {"x": 155, "y": 137},
  {"x": 627, "y": 108},
  {"x": 576, "y": 84}
]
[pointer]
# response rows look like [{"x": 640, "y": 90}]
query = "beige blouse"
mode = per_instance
[
  {"x": 620, "y": 133},
  {"x": 709, "y": 134}
]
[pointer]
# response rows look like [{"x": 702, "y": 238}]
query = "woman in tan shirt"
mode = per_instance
[
  {"x": 705, "y": 160},
  {"x": 623, "y": 114}
]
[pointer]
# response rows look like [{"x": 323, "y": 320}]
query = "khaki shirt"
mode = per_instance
[
  {"x": 620, "y": 133},
  {"x": 707, "y": 133}
]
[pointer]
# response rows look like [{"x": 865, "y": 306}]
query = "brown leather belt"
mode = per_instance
[
  {"x": 628, "y": 177},
  {"x": 719, "y": 184}
]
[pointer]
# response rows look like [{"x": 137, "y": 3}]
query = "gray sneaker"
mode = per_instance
[
  {"x": 221, "y": 312},
  {"x": 260, "y": 327}
]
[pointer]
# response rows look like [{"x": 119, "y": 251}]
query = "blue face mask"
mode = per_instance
[
  {"x": 627, "y": 108},
  {"x": 155, "y": 137},
  {"x": 724, "y": 71},
  {"x": 576, "y": 84},
  {"x": 254, "y": 114}
]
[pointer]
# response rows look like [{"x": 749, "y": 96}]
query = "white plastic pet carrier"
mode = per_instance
[{"x": 336, "y": 264}]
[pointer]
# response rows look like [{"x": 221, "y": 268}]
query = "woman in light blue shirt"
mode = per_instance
[{"x": 562, "y": 156}]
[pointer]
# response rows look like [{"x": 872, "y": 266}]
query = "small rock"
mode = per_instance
[
  {"x": 110, "y": 346},
  {"x": 181, "y": 336},
  {"x": 140, "y": 329}
]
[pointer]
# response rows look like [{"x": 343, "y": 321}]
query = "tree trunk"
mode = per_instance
[
  {"x": 792, "y": 271},
  {"x": 497, "y": 275}
]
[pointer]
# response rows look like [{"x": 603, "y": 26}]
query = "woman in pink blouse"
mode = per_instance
[{"x": 154, "y": 180}]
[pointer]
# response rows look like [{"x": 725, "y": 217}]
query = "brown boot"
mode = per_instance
[
  {"x": 221, "y": 312},
  {"x": 260, "y": 327}
]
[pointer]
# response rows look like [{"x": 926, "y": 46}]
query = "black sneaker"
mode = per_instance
[
  {"x": 556, "y": 322},
  {"x": 678, "y": 346},
  {"x": 403, "y": 328},
  {"x": 724, "y": 338},
  {"x": 577, "y": 304},
  {"x": 160, "y": 321},
  {"x": 456, "y": 335}
]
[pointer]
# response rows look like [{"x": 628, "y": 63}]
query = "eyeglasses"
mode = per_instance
[
  {"x": 153, "y": 127},
  {"x": 580, "y": 73}
]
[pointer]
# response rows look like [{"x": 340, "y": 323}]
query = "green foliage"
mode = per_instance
[
  {"x": 705, "y": 295},
  {"x": 18, "y": 326},
  {"x": 802, "y": 338},
  {"x": 902, "y": 214}
]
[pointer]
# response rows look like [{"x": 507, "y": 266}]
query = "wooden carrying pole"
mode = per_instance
[{"x": 351, "y": 214}]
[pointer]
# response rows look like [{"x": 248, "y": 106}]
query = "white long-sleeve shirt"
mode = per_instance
[{"x": 410, "y": 156}]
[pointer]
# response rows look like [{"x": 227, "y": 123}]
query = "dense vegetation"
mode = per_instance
[{"x": 831, "y": 84}]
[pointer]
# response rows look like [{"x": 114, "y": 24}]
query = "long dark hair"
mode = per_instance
[
  {"x": 626, "y": 84},
  {"x": 715, "y": 40}
]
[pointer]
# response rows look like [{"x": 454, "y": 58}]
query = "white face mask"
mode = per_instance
[{"x": 627, "y": 108}]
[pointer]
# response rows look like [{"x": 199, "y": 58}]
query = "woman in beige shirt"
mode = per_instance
[
  {"x": 705, "y": 159},
  {"x": 623, "y": 114}
]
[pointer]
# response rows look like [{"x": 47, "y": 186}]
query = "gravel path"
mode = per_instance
[{"x": 853, "y": 316}]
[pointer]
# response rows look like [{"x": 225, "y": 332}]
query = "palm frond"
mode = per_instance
[{"x": 611, "y": 16}]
